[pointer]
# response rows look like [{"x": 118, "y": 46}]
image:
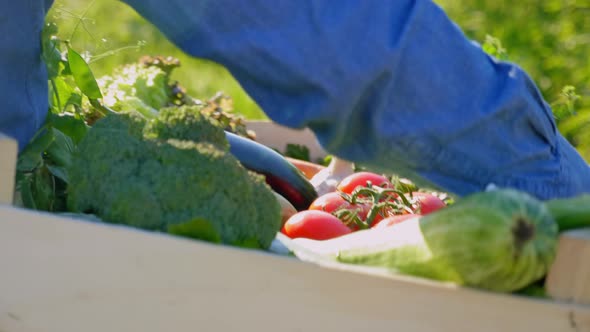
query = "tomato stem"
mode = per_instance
[{"x": 381, "y": 198}]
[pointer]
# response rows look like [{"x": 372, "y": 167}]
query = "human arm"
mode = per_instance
[
  {"x": 23, "y": 77},
  {"x": 394, "y": 85}
]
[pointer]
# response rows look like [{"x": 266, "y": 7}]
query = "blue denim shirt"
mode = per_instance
[
  {"x": 390, "y": 84},
  {"x": 23, "y": 79}
]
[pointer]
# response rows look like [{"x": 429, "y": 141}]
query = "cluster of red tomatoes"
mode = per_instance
[{"x": 362, "y": 200}]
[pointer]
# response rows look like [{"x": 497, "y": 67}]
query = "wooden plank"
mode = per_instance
[
  {"x": 277, "y": 136},
  {"x": 67, "y": 275},
  {"x": 8, "y": 155},
  {"x": 569, "y": 277}
]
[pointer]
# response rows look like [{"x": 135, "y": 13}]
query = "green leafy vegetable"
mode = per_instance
[{"x": 83, "y": 75}]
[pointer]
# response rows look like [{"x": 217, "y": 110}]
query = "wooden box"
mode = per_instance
[{"x": 64, "y": 275}]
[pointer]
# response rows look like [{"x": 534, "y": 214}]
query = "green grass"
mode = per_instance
[{"x": 550, "y": 39}]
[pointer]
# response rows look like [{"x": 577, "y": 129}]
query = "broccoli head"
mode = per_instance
[
  {"x": 172, "y": 173},
  {"x": 186, "y": 123}
]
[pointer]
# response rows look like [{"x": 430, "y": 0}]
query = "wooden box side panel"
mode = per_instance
[
  {"x": 569, "y": 277},
  {"x": 67, "y": 275},
  {"x": 8, "y": 155}
]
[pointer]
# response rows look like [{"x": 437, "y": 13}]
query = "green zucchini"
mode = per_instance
[
  {"x": 570, "y": 213},
  {"x": 501, "y": 240}
]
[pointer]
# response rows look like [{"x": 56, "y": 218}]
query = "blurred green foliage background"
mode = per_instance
[
  {"x": 112, "y": 33},
  {"x": 550, "y": 39}
]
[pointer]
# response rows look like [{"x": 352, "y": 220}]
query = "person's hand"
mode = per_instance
[{"x": 327, "y": 180}]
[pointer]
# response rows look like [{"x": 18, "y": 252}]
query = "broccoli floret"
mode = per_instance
[
  {"x": 171, "y": 174},
  {"x": 187, "y": 123}
]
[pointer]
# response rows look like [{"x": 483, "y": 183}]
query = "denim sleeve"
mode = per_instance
[
  {"x": 390, "y": 84},
  {"x": 23, "y": 79}
]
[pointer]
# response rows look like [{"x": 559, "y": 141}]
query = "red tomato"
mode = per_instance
[
  {"x": 360, "y": 179},
  {"x": 428, "y": 203},
  {"x": 329, "y": 202},
  {"x": 392, "y": 220},
  {"x": 332, "y": 202},
  {"x": 313, "y": 224}
]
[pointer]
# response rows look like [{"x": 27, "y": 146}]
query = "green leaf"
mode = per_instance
[
  {"x": 69, "y": 124},
  {"x": 565, "y": 105},
  {"x": 43, "y": 190},
  {"x": 83, "y": 75},
  {"x": 32, "y": 156},
  {"x": 66, "y": 70},
  {"x": 24, "y": 184},
  {"x": 198, "y": 228},
  {"x": 51, "y": 53},
  {"x": 60, "y": 92},
  {"x": 58, "y": 172},
  {"x": 60, "y": 151},
  {"x": 75, "y": 99},
  {"x": 297, "y": 151},
  {"x": 493, "y": 47},
  {"x": 325, "y": 161}
]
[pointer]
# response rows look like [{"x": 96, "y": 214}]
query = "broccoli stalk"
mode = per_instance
[{"x": 172, "y": 173}]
